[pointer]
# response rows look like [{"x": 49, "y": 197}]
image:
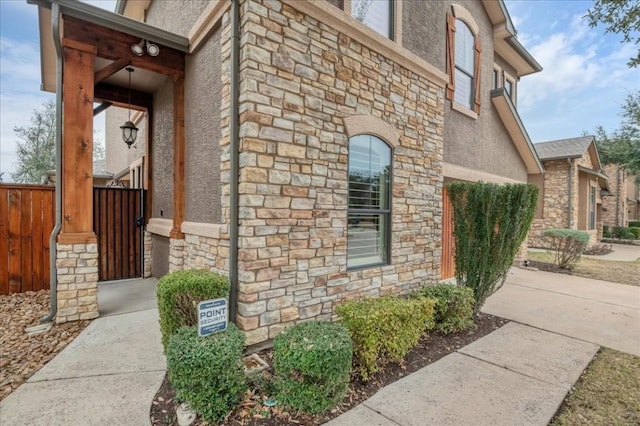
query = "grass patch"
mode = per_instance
[
  {"x": 606, "y": 394},
  {"x": 600, "y": 269}
]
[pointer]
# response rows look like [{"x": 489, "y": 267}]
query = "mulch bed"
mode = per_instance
[
  {"x": 251, "y": 411},
  {"x": 549, "y": 267}
]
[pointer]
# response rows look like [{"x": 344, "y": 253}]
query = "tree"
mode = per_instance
[
  {"x": 37, "y": 149},
  {"x": 622, "y": 146},
  {"x": 619, "y": 17},
  {"x": 36, "y": 152}
]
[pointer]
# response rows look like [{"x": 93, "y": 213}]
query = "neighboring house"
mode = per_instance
[
  {"x": 620, "y": 205},
  {"x": 571, "y": 190},
  {"x": 307, "y": 159},
  {"x": 101, "y": 177}
]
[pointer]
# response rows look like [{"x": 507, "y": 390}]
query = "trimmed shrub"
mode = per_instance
[
  {"x": 207, "y": 372},
  {"x": 385, "y": 329},
  {"x": 179, "y": 294},
  {"x": 606, "y": 232},
  {"x": 568, "y": 245},
  {"x": 622, "y": 233},
  {"x": 453, "y": 306},
  {"x": 490, "y": 223},
  {"x": 636, "y": 232},
  {"x": 311, "y": 362},
  {"x": 634, "y": 224}
]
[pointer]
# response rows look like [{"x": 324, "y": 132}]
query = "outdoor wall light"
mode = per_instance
[
  {"x": 129, "y": 130},
  {"x": 139, "y": 48}
]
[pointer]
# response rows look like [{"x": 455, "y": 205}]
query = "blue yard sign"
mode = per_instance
[{"x": 213, "y": 316}]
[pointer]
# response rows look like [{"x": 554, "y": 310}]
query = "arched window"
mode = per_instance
[
  {"x": 463, "y": 60},
  {"x": 369, "y": 208},
  {"x": 465, "y": 65}
]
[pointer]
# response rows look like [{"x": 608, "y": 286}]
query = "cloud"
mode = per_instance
[{"x": 574, "y": 60}]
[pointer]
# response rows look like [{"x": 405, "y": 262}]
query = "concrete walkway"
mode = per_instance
[
  {"x": 107, "y": 376},
  {"x": 600, "y": 312},
  {"x": 517, "y": 375}
]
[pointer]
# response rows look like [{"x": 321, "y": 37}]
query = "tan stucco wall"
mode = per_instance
[
  {"x": 480, "y": 144},
  {"x": 162, "y": 151},
  {"x": 175, "y": 16},
  {"x": 203, "y": 86}
]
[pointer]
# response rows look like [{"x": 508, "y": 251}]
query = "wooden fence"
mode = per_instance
[{"x": 27, "y": 216}]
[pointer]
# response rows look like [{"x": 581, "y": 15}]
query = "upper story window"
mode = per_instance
[
  {"x": 496, "y": 78},
  {"x": 510, "y": 86},
  {"x": 463, "y": 61},
  {"x": 369, "y": 208},
  {"x": 376, "y": 14},
  {"x": 465, "y": 65}
]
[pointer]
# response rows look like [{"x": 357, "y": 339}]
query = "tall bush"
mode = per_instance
[
  {"x": 178, "y": 296},
  {"x": 568, "y": 245},
  {"x": 311, "y": 362},
  {"x": 385, "y": 329},
  {"x": 207, "y": 372},
  {"x": 490, "y": 223}
]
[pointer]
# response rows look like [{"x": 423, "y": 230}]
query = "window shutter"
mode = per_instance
[
  {"x": 451, "y": 55},
  {"x": 476, "y": 75}
]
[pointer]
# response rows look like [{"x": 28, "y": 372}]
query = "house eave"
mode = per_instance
[
  {"x": 98, "y": 16},
  {"x": 512, "y": 122},
  {"x": 602, "y": 178}
]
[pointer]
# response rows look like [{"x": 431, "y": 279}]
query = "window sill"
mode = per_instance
[
  {"x": 464, "y": 110},
  {"x": 367, "y": 266}
]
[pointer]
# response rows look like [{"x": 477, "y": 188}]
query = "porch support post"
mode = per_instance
[
  {"x": 178, "y": 158},
  {"x": 176, "y": 237},
  {"x": 77, "y": 144},
  {"x": 77, "y": 251}
]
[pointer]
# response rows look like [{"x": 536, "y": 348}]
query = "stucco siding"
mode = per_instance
[
  {"x": 479, "y": 144},
  {"x": 117, "y": 155},
  {"x": 175, "y": 16},
  {"x": 162, "y": 151},
  {"x": 203, "y": 86}
]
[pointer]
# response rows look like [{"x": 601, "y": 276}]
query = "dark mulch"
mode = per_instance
[
  {"x": 549, "y": 267},
  {"x": 251, "y": 411}
]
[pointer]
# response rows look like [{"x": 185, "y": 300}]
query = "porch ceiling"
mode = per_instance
[{"x": 112, "y": 34}]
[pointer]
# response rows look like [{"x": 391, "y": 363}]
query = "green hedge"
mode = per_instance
[
  {"x": 490, "y": 223},
  {"x": 312, "y": 361},
  {"x": 634, "y": 224},
  {"x": 179, "y": 294},
  {"x": 636, "y": 232},
  {"x": 207, "y": 372},
  {"x": 453, "y": 306},
  {"x": 383, "y": 330},
  {"x": 568, "y": 245}
]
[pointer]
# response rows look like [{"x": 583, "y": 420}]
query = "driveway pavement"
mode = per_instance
[{"x": 600, "y": 312}]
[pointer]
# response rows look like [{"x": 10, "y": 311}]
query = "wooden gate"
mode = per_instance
[
  {"x": 447, "y": 264},
  {"x": 26, "y": 221},
  {"x": 118, "y": 219}
]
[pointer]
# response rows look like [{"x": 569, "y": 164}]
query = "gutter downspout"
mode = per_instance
[
  {"x": 234, "y": 160},
  {"x": 53, "y": 249},
  {"x": 570, "y": 215}
]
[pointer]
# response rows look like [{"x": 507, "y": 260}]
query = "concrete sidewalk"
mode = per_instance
[
  {"x": 517, "y": 375},
  {"x": 600, "y": 312},
  {"x": 107, "y": 376}
]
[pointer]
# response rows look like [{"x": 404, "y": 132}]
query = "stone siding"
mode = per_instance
[
  {"x": 211, "y": 252},
  {"x": 555, "y": 201},
  {"x": 176, "y": 254},
  {"x": 148, "y": 254},
  {"x": 77, "y": 289},
  {"x": 298, "y": 79},
  {"x": 614, "y": 206}
]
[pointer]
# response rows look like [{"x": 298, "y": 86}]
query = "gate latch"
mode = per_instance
[{"x": 139, "y": 221}]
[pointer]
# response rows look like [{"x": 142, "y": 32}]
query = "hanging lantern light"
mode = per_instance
[{"x": 129, "y": 130}]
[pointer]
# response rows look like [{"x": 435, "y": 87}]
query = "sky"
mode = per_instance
[{"x": 583, "y": 84}]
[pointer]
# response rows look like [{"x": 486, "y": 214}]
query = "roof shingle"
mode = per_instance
[{"x": 563, "y": 148}]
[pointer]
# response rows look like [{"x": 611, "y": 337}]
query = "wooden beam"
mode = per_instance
[
  {"x": 178, "y": 158},
  {"x": 119, "y": 96},
  {"x": 114, "y": 45},
  {"x": 104, "y": 105},
  {"x": 77, "y": 145},
  {"x": 110, "y": 70}
]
